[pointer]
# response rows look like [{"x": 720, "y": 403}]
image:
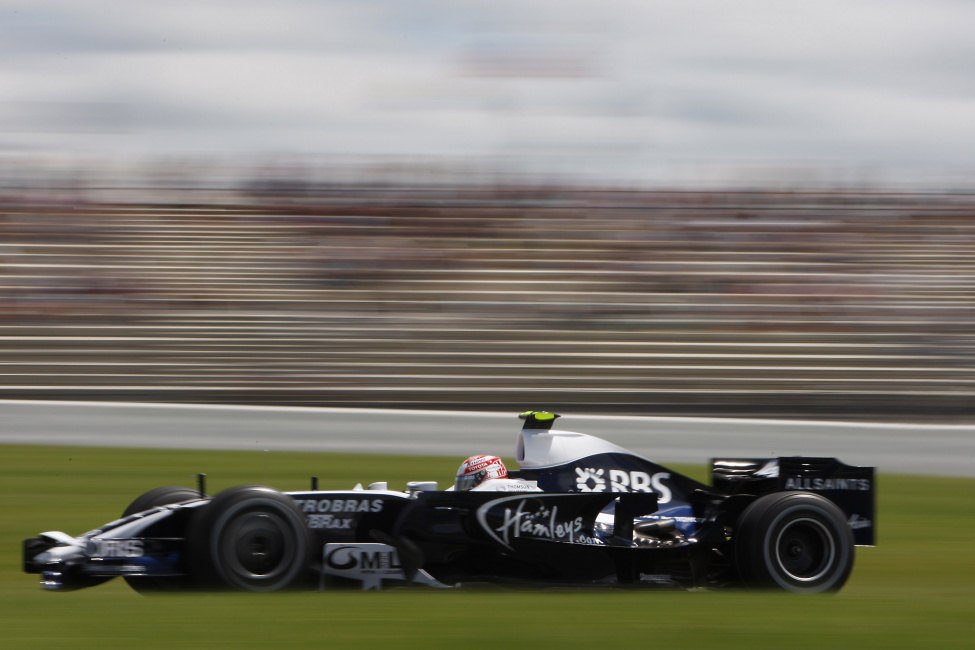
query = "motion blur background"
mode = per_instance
[{"x": 752, "y": 208}]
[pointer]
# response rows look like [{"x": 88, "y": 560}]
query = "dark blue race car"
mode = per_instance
[{"x": 579, "y": 511}]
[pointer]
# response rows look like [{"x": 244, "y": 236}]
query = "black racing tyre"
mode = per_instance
[
  {"x": 160, "y": 496},
  {"x": 796, "y": 541},
  {"x": 249, "y": 538}
]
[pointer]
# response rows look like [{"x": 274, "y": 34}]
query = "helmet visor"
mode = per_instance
[{"x": 468, "y": 481}]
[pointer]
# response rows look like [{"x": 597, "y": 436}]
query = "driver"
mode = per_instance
[{"x": 488, "y": 473}]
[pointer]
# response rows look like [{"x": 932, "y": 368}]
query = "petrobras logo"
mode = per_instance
[
  {"x": 335, "y": 506},
  {"x": 336, "y": 514},
  {"x": 118, "y": 548},
  {"x": 598, "y": 479}
]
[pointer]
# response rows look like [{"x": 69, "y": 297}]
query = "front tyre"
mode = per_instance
[
  {"x": 160, "y": 496},
  {"x": 249, "y": 538},
  {"x": 796, "y": 541}
]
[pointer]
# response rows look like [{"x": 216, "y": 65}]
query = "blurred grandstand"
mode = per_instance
[{"x": 309, "y": 291}]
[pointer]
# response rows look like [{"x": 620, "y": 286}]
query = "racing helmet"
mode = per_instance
[{"x": 477, "y": 469}]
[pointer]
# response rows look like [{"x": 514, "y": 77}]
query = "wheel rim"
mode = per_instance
[
  {"x": 256, "y": 546},
  {"x": 804, "y": 550}
]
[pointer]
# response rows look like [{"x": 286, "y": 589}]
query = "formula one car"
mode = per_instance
[{"x": 583, "y": 512}]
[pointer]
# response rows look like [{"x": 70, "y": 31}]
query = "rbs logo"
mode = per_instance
[
  {"x": 118, "y": 548},
  {"x": 591, "y": 479}
]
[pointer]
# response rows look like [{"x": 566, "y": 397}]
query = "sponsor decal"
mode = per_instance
[
  {"x": 477, "y": 463},
  {"x": 533, "y": 518},
  {"x": 591, "y": 479},
  {"x": 676, "y": 518},
  {"x": 814, "y": 484},
  {"x": 336, "y": 514},
  {"x": 339, "y": 505},
  {"x": 507, "y": 485},
  {"x": 118, "y": 548},
  {"x": 365, "y": 557},
  {"x": 656, "y": 578},
  {"x": 330, "y": 522},
  {"x": 858, "y": 523},
  {"x": 369, "y": 562},
  {"x": 769, "y": 470}
]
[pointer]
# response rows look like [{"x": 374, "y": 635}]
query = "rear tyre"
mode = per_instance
[
  {"x": 249, "y": 538},
  {"x": 796, "y": 541},
  {"x": 160, "y": 496}
]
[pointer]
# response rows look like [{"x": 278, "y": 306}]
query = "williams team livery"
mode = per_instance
[{"x": 578, "y": 511}]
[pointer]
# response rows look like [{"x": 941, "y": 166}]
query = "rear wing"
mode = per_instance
[{"x": 851, "y": 488}]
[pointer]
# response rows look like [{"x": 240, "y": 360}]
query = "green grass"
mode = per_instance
[{"x": 916, "y": 589}]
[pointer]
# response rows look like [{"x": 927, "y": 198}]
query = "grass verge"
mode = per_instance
[{"x": 916, "y": 589}]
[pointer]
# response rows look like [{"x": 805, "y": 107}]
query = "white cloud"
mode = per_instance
[{"x": 760, "y": 80}]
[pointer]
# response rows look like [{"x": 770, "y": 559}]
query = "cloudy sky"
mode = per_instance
[{"x": 625, "y": 89}]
